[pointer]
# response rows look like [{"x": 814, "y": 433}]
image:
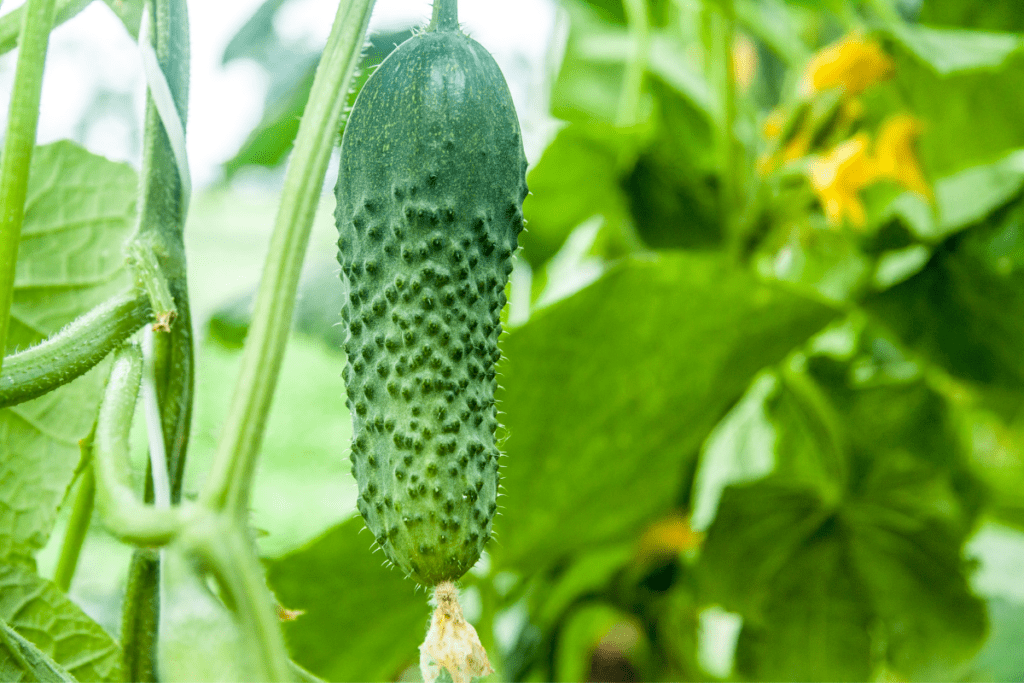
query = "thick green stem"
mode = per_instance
[
  {"x": 18, "y": 144},
  {"x": 228, "y": 552},
  {"x": 124, "y": 515},
  {"x": 636, "y": 67},
  {"x": 230, "y": 480},
  {"x": 10, "y": 24},
  {"x": 445, "y": 16},
  {"x": 162, "y": 214},
  {"x": 74, "y": 350},
  {"x": 78, "y": 525}
]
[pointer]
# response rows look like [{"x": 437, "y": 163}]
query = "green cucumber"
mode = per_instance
[{"x": 430, "y": 192}]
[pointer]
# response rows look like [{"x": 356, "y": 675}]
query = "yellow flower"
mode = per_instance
[
  {"x": 744, "y": 61},
  {"x": 798, "y": 146},
  {"x": 852, "y": 64},
  {"x": 668, "y": 537},
  {"x": 773, "y": 123},
  {"x": 895, "y": 157},
  {"x": 838, "y": 178}
]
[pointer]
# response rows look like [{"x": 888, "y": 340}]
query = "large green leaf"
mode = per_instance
[
  {"x": 963, "y": 198},
  {"x": 981, "y": 14},
  {"x": 41, "y": 613},
  {"x": 79, "y": 210},
  {"x": 866, "y": 570},
  {"x": 362, "y": 621},
  {"x": 816, "y": 621},
  {"x": 19, "y": 658},
  {"x": 970, "y": 117},
  {"x": 578, "y": 177},
  {"x": 608, "y": 395},
  {"x": 949, "y": 51},
  {"x": 965, "y": 310}
]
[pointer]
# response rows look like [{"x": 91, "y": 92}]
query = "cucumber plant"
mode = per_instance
[{"x": 429, "y": 210}]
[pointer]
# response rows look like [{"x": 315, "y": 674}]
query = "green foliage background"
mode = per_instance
[{"x": 735, "y": 449}]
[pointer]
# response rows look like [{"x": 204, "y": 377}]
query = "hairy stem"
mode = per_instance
[
  {"x": 150, "y": 277},
  {"x": 18, "y": 144},
  {"x": 445, "y": 16},
  {"x": 227, "y": 550},
  {"x": 74, "y": 350},
  {"x": 163, "y": 209},
  {"x": 124, "y": 515},
  {"x": 234, "y": 465},
  {"x": 78, "y": 525}
]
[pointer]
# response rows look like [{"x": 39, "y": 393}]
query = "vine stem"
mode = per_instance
[
  {"x": 636, "y": 67},
  {"x": 163, "y": 205},
  {"x": 78, "y": 525},
  {"x": 445, "y": 16},
  {"x": 20, "y": 140},
  {"x": 125, "y": 516},
  {"x": 230, "y": 480}
]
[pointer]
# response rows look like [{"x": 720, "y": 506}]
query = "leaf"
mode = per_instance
[
  {"x": 1001, "y": 658},
  {"x": 816, "y": 621},
  {"x": 741, "y": 448},
  {"x": 608, "y": 395},
  {"x": 965, "y": 310},
  {"x": 79, "y": 210},
  {"x": 23, "y": 659},
  {"x": 201, "y": 640},
  {"x": 970, "y": 117},
  {"x": 949, "y": 51},
  {"x": 980, "y": 14},
  {"x": 876, "y": 554},
  {"x": 589, "y": 573},
  {"x": 361, "y": 621},
  {"x": 41, "y": 613},
  {"x": 130, "y": 14},
  {"x": 578, "y": 177},
  {"x": 972, "y": 194},
  {"x": 914, "y": 573}
]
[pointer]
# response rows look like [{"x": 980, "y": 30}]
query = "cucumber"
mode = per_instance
[{"x": 430, "y": 192}]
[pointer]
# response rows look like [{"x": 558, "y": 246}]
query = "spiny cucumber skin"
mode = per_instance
[{"x": 430, "y": 193}]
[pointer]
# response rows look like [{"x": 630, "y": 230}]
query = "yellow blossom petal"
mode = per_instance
[
  {"x": 744, "y": 61},
  {"x": 668, "y": 537},
  {"x": 852, "y": 64},
  {"x": 766, "y": 163},
  {"x": 895, "y": 156},
  {"x": 797, "y": 147},
  {"x": 838, "y": 178},
  {"x": 773, "y": 123}
]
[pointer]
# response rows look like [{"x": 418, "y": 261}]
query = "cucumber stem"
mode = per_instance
[
  {"x": 446, "y": 16},
  {"x": 78, "y": 526},
  {"x": 22, "y": 118}
]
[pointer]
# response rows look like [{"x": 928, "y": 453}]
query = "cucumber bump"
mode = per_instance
[{"x": 429, "y": 209}]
